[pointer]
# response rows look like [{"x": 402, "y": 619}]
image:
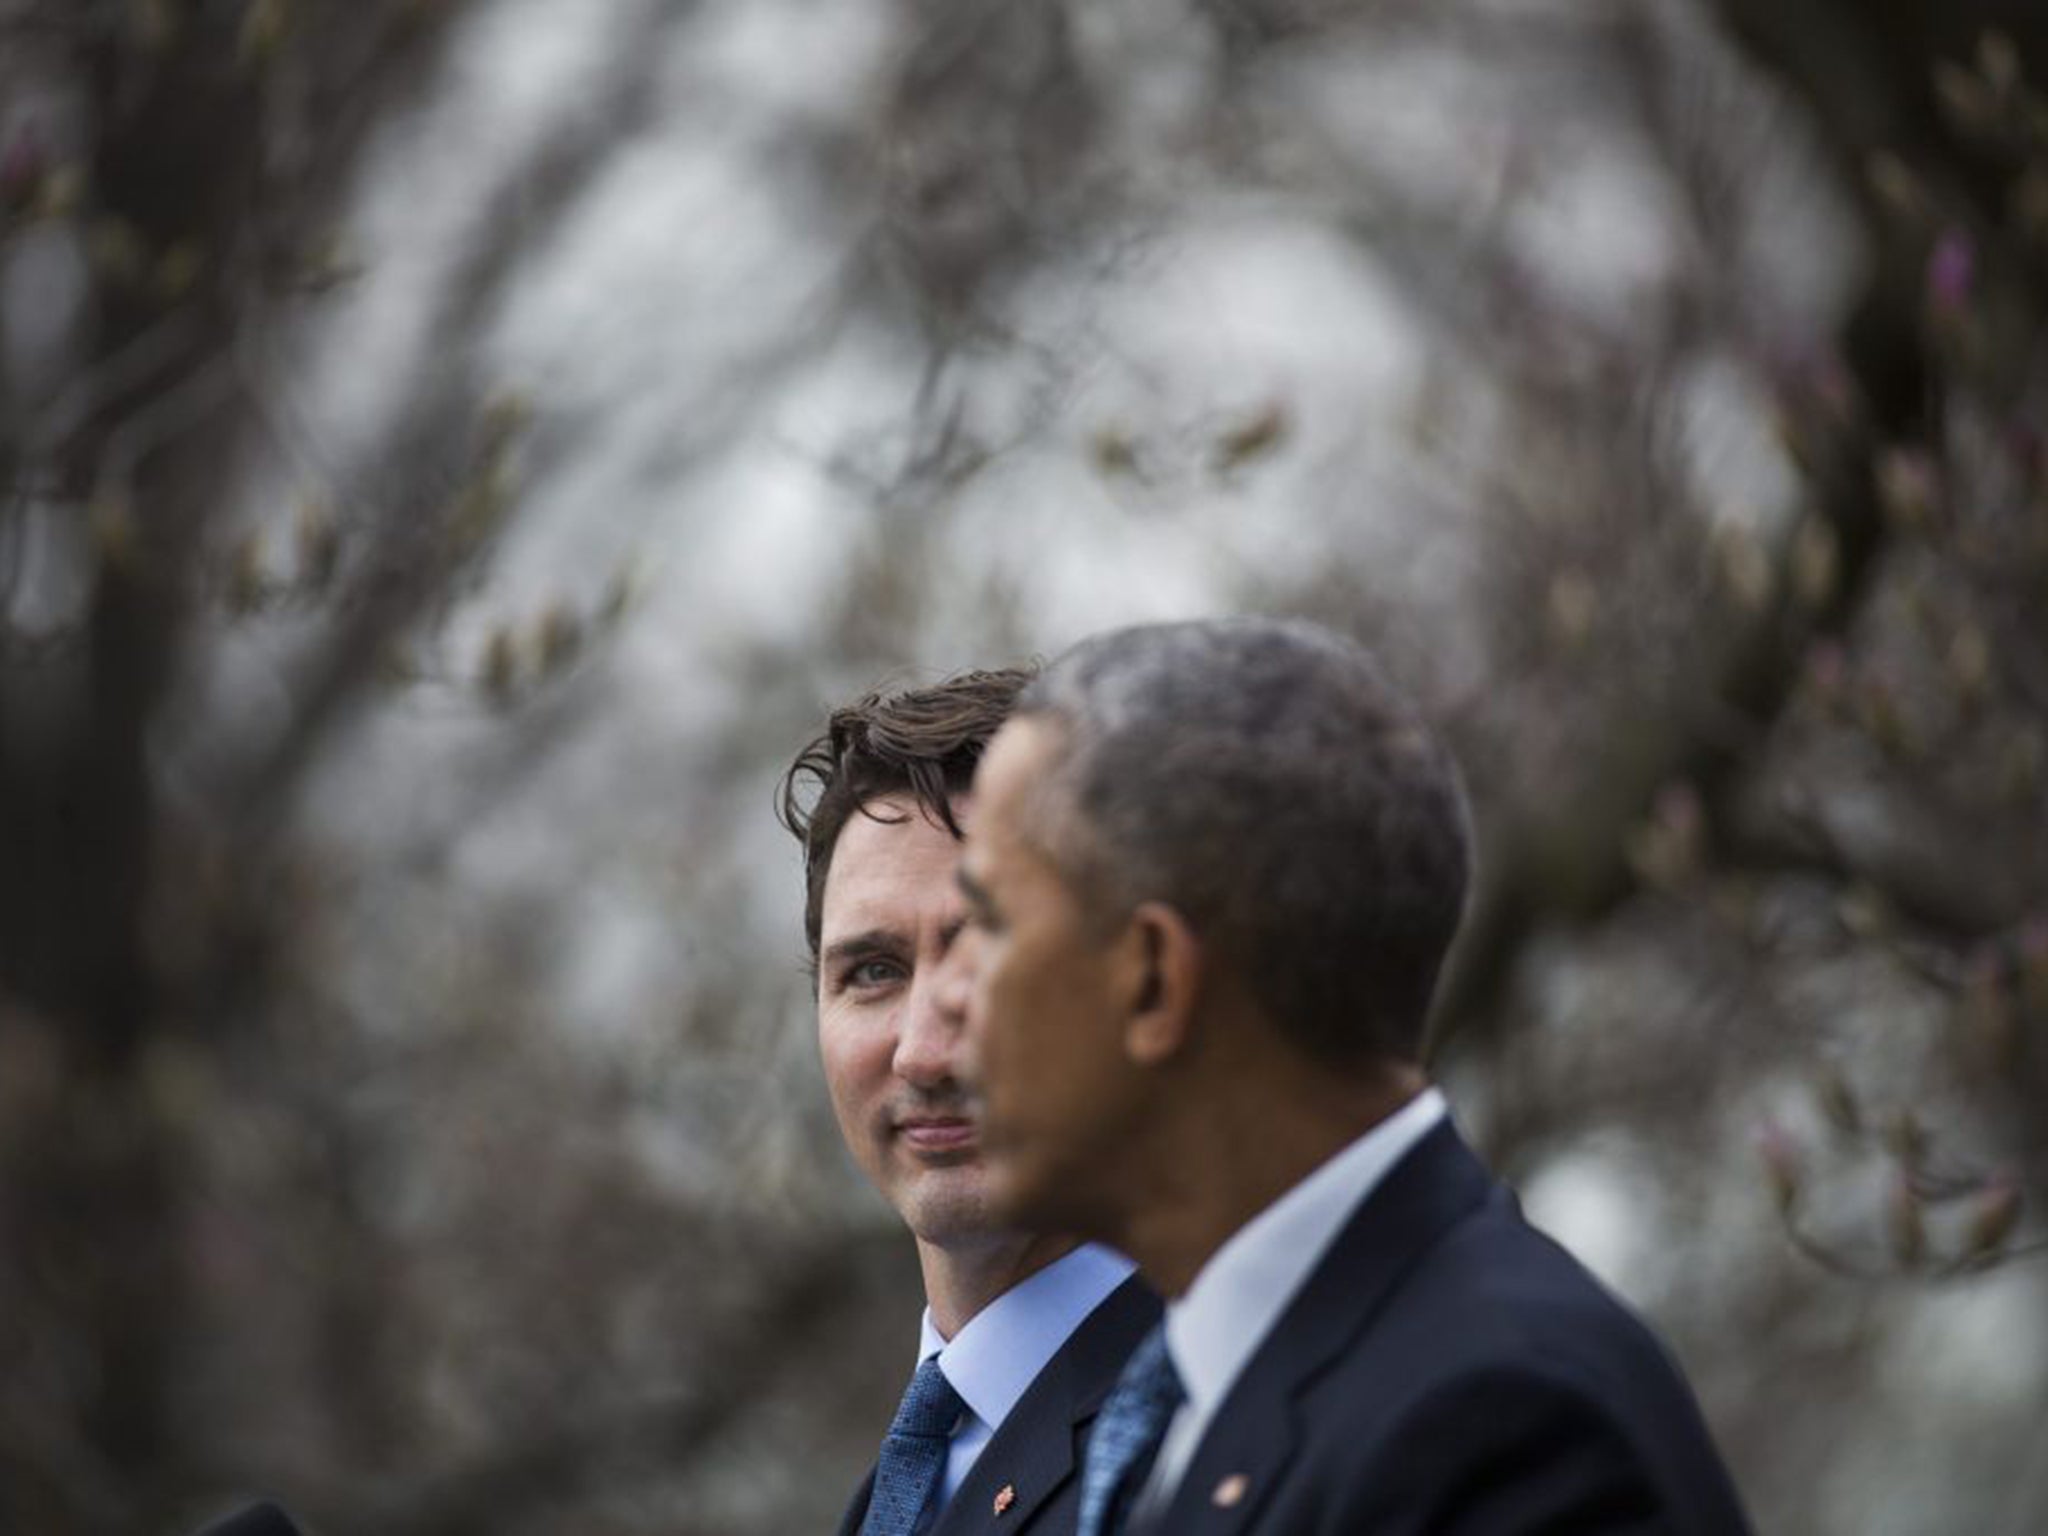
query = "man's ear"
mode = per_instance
[{"x": 1165, "y": 960}]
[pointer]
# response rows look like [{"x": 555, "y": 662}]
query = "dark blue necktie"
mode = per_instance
[
  {"x": 1127, "y": 1434},
  {"x": 914, "y": 1453}
]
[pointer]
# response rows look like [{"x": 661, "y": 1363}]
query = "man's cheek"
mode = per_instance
[{"x": 1014, "y": 1053}]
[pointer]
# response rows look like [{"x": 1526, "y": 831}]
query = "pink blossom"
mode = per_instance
[
  {"x": 1827, "y": 665},
  {"x": 1951, "y": 272},
  {"x": 22, "y": 163},
  {"x": 1678, "y": 807},
  {"x": 1780, "y": 1154}
]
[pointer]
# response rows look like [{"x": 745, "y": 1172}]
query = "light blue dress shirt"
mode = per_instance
[
  {"x": 1006, "y": 1344},
  {"x": 1214, "y": 1329}
]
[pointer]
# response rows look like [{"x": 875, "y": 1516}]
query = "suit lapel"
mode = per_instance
[
  {"x": 857, "y": 1511},
  {"x": 1032, "y": 1463},
  {"x": 1254, "y": 1434},
  {"x": 1036, "y": 1449}
]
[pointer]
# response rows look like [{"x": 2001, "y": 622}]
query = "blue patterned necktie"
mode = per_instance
[
  {"x": 1127, "y": 1434},
  {"x": 913, "y": 1453}
]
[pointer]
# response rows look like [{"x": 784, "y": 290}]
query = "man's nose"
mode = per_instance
[
  {"x": 953, "y": 978},
  {"x": 928, "y": 1034}
]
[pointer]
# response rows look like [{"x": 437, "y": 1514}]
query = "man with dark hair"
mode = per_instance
[
  {"x": 1023, "y": 1333},
  {"x": 1212, "y": 874}
]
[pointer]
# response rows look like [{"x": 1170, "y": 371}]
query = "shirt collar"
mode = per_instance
[
  {"x": 1003, "y": 1347},
  {"x": 1240, "y": 1293}
]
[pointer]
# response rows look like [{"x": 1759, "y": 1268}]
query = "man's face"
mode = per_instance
[
  {"x": 1044, "y": 995},
  {"x": 890, "y": 1041}
]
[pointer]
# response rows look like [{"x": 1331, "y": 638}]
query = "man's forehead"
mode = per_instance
[
  {"x": 891, "y": 856},
  {"x": 1016, "y": 761}
]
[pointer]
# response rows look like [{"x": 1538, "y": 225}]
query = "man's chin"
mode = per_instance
[
  {"x": 970, "y": 1202},
  {"x": 945, "y": 1205}
]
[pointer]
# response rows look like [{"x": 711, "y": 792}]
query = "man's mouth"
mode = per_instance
[{"x": 936, "y": 1133}]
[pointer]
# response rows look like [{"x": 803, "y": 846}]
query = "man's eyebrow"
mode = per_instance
[{"x": 871, "y": 941}]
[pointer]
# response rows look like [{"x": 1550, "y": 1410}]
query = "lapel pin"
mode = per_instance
[
  {"x": 1231, "y": 1491},
  {"x": 1005, "y": 1497}
]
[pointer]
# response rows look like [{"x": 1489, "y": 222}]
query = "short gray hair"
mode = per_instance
[{"x": 1263, "y": 779}]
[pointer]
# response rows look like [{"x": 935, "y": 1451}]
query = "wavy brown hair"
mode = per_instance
[{"x": 923, "y": 742}]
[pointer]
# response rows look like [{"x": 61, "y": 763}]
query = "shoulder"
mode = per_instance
[
  {"x": 1494, "y": 1291},
  {"x": 1503, "y": 1370},
  {"x": 1504, "y": 1448}
]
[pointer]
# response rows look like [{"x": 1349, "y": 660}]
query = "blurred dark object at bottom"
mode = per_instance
[{"x": 264, "y": 1519}]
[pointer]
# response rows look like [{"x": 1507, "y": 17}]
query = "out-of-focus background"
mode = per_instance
[{"x": 453, "y": 452}]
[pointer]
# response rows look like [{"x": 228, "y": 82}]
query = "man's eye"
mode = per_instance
[{"x": 866, "y": 974}]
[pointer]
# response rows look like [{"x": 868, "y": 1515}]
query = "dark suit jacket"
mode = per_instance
[
  {"x": 1446, "y": 1369},
  {"x": 1036, "y": 1450}
]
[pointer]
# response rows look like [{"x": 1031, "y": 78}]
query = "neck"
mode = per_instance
[
  {"x": 1269, "y": 1127},
  {"x": 962, "y": 1278}
]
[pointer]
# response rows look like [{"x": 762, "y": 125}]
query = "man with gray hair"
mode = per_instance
[{"x": 1211, "y": 878}]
